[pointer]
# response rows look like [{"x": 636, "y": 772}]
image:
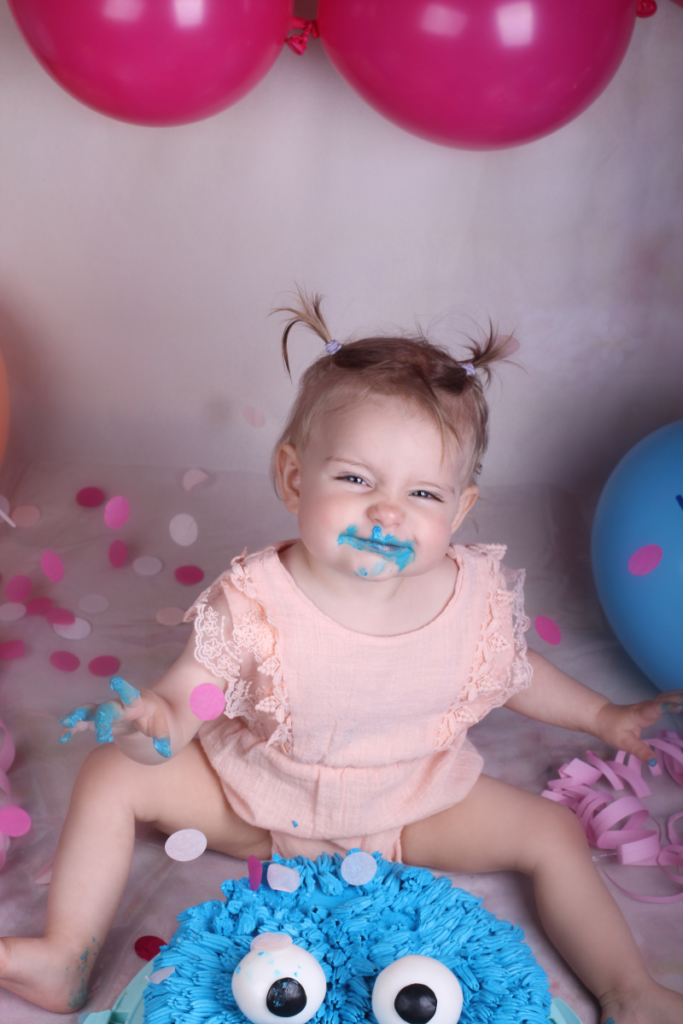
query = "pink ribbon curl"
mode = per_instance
[
  {"x": 599, "y": 811},
  {"x": 299, "y": 42}
]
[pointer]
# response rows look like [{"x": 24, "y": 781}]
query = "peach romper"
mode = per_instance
[{"x": 333, "y": 739}]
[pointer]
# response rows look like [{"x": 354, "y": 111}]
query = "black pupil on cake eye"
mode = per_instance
[
  {"x": 286, "y": 998},
  {"x": 415, "y": 1004}
]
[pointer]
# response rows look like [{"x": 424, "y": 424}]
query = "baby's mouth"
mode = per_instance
[{"x": 401, "y": 552}]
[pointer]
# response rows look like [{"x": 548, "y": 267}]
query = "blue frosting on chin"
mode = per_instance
[
  {"x": 354, "y": 932},
  {"x": 401, "y": 552}
]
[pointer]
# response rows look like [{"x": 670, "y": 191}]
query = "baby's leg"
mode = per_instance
[
  {"x": 93, "y": 859},
  {"x": 498, "y": 828}
]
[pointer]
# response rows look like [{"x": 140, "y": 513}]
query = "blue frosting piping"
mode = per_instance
[{"x": 354, "y": 931}]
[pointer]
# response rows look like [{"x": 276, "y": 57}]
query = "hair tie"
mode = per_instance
[
  {"x": 468, "y": 368},
  {"x": 331, "y": 347}
]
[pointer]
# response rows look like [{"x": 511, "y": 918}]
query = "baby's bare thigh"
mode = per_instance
[
  {"x": 185, "y": 792},
  {"x": 496, "y": 827}
]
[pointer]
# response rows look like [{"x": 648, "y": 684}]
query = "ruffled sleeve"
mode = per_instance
[{"x": 500, "y": 667}]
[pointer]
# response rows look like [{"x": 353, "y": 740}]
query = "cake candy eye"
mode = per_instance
[
  {"x": 278, "y": 981},
  {"x": 416, "y": 990}
]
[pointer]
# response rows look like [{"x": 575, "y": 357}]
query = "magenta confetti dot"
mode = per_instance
[
  {"x": 189, "y": 574},
  {"x": 90, "y": 497},
  {"x": 14, "y": 821},
  {"x": 255, "y": 869},
  {"x": 116, "y": 512},
  {"x": 18, "y": 588},
  {"x": 547, "y": 629},
  {"x": 38, "y": 605},
  {"x": 147, "y": 946},
  {"x": 207, "y": 701},
  {"x": 12, "y": 649},
  {"x": 60, "y": 616},
  {"x": 105, "y": 665},
  {"x": 65, "y": 661},
  {"x": 645, "y": 560},
  {"x": 118, "y": 554},
  {"x": 52, "y": 566}
]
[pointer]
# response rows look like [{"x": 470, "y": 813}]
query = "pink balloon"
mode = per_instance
[
  {"x": 155, "y": 62},
  {"x": 478, "y": 74}
]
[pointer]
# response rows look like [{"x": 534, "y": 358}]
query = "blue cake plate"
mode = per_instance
[{"x": 129, "y": 1008}]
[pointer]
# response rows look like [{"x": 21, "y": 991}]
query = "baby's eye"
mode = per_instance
[
  {"x": 416, "y": 990},
  {"x": 278, "y": 980},
  {"x": 426, "y": 494},
  {"x": 351, "y": 478}
]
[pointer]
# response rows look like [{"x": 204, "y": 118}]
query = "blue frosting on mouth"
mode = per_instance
[{"x": 401, "y": 552}]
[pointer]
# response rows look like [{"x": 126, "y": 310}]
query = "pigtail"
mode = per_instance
[
  {"x": 306, "y": 312},
  {"x": 494, "y": 348}
]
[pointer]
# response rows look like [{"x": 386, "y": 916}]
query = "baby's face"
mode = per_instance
[{"x": 375, "y": 494}]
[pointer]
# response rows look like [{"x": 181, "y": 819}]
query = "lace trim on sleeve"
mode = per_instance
[
  {"x": 500, "y": 667},
  {"x": 222, "y": 651}
]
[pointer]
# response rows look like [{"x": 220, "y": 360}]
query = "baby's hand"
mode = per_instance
[
  {"x": 620, "y": 725},
  {"x": 132, "y": 712}
]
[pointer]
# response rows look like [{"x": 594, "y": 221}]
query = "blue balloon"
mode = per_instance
[{"x": 637, "y": 551}]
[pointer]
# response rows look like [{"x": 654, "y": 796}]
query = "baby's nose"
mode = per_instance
[{"x": 386, "y": 513}]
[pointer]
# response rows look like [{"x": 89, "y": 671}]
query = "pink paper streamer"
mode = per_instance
[{"x": 599, "y": 811}]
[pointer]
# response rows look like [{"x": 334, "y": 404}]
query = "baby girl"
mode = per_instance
[{"x": 353, "y": 661}]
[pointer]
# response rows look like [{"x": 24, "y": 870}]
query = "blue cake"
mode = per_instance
[{"x": 354, "y": 932}]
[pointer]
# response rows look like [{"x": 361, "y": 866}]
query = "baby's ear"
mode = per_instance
[
  {"x": 468, "y": 496},
  {"x": 288, "y": 470}
]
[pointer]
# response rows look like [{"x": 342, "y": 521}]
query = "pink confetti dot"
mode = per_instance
[
  {"x": 255, "y": 869},
  {"x": 52, "y": 566},
  {"x": 645, "y": 560},
  {"x": 189, "y": 574},
  {"x": 193, "y": 477},
  {"x": 14, "y": 821},
  {"x": 12, "y": 611},
  {"x": 183, "y": 529},
  {"x": 547, "y": 629},
  {"x": 38, "y": 605},
  {"x": 118, "y": 554},
  {"x": 18, "y": 588},
  {"x": 105, "y": 665},
  {"x": 186, "y": 844},
  {"x": 12, "y": 649},
  {"x": 26, "y": 515},
  {"x": 270, "y": 942},
  {"x": 253, "y": 417},
  {"x": 147, "y": 946},
  {"x": 60, "y": 616},
  {"x": 207, "y": 701},
  {"x": 116, "y": 512},
  {"x": 65, "y": 661},
  {"x": 282, "y": 878},
  {"x": 170, "y": 616},
  {"x": 90, "y": 497}
]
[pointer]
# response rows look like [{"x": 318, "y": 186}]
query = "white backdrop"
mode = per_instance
[{"x": 138, "y": 265}]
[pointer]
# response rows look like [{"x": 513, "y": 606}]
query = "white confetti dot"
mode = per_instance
[
  {"x": 12, "y": 611},
  {"x": 194, "y": 477},
  {"x": 161, "y": 975},
  {"x": 358, "y": 868},
  {"x": 270, "y": 942},
  {"x": 93, "y": 603},
  {"x": 282, "y": 878},
  {"x": 76, "y": 630},
  {"x": 147, "y": 565},
  {"x": 170, "y": 616},
  {"x": 186, "y": 844},
  {"x": 183, "y": 529}
]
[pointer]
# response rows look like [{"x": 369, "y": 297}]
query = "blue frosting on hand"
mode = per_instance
[
  {"x": 163, "y": 746},
  {"x": 104, "y": 716},
  {"x": 401, "y": 552},
  {"x": 65, "y": 738},
  {"x": 124, "y": 690},
  {"x": 81, "y": 714}
]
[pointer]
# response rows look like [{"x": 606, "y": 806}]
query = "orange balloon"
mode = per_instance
[{"x": 4, "y": 407}]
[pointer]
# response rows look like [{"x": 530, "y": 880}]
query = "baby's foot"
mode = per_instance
[
  {"x": 47, "y": 972},
  {"x": 653, "y": 1004}
]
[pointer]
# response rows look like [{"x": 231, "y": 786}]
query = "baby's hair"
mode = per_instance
[{"x": 410, "y": 367}]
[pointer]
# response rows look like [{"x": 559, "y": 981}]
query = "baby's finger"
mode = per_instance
[
  {"x": 124, "y": 691},
  {"x": 672, "y": 702},
  {"x": 78, "y": 720},
  {"x": 105, "y": 716}
]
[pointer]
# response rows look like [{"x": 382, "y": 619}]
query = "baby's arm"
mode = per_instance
[
  {"x": 556, "y": 698},
  {"x": 152, "y": 725}
]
